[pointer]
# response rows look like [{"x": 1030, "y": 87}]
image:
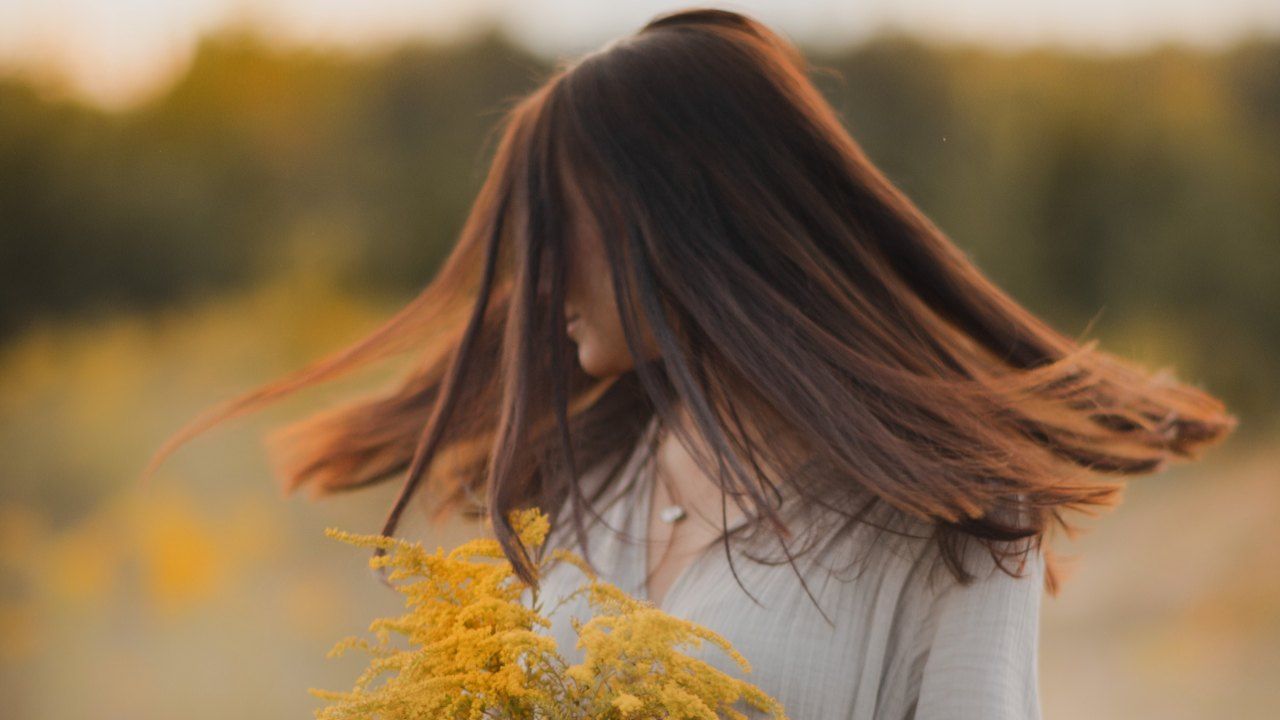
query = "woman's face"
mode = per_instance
[{"x": 591, "y": 313}]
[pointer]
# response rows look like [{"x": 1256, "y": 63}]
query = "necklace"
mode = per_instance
[{"x": 669, "y": 514}]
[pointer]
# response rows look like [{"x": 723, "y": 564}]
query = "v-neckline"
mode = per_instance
[{"x": 645, "y": 485}]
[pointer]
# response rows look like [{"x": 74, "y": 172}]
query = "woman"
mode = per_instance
[{"x": 770, "y": 350}]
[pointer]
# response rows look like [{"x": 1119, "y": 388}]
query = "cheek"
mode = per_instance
[{"x": 602, "y": 346}]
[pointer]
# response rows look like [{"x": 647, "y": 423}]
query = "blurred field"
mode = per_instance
[
  {"x": 208, "y": 594},
  {"x": 274, "y": 205},
  {"x": 1174, "y": 611}
]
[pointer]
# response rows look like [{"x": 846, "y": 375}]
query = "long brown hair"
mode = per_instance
[{"x": 788, "y": 285}]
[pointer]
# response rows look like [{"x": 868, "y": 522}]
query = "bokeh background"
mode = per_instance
[{"x": 197, "y": 196}]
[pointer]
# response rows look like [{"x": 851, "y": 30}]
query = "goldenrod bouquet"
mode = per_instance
[{"x": 475, "y": 654}]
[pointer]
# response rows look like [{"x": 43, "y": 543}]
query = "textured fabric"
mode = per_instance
[{"x": 899, "y": 647}]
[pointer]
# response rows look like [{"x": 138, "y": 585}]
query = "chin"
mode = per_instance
[
  {"x": 600, "y": 365},
  {"x": 589, "y": 363}
]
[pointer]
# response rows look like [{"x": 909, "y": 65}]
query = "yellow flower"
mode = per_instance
[
  {"x": 475, "y": 651},
  {"x": 627, "y": 704}
]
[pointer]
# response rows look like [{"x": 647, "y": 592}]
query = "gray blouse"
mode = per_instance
[{"x": 900, "y": 647}]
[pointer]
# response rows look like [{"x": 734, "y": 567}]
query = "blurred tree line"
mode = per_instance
[{"x": 1136, "y": 197}]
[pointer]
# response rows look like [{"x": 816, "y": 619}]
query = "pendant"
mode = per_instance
[{"x": 671, "y": 514}]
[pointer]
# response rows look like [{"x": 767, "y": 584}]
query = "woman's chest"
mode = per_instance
[{"x": 821, "y": 659}]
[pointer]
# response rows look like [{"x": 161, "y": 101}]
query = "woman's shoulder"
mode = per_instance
[{"x": 978, "y": 651}]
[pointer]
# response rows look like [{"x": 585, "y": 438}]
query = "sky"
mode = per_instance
[{"x": 116, "y": 51}]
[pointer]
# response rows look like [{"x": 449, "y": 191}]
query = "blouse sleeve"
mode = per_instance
[{"x": 982, "y": 655}]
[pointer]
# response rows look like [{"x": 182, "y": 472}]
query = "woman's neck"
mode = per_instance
[{"x": 690, "y": 485}]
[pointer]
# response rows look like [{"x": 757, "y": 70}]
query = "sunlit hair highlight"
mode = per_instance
[{"x": 794, "y": 294}]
